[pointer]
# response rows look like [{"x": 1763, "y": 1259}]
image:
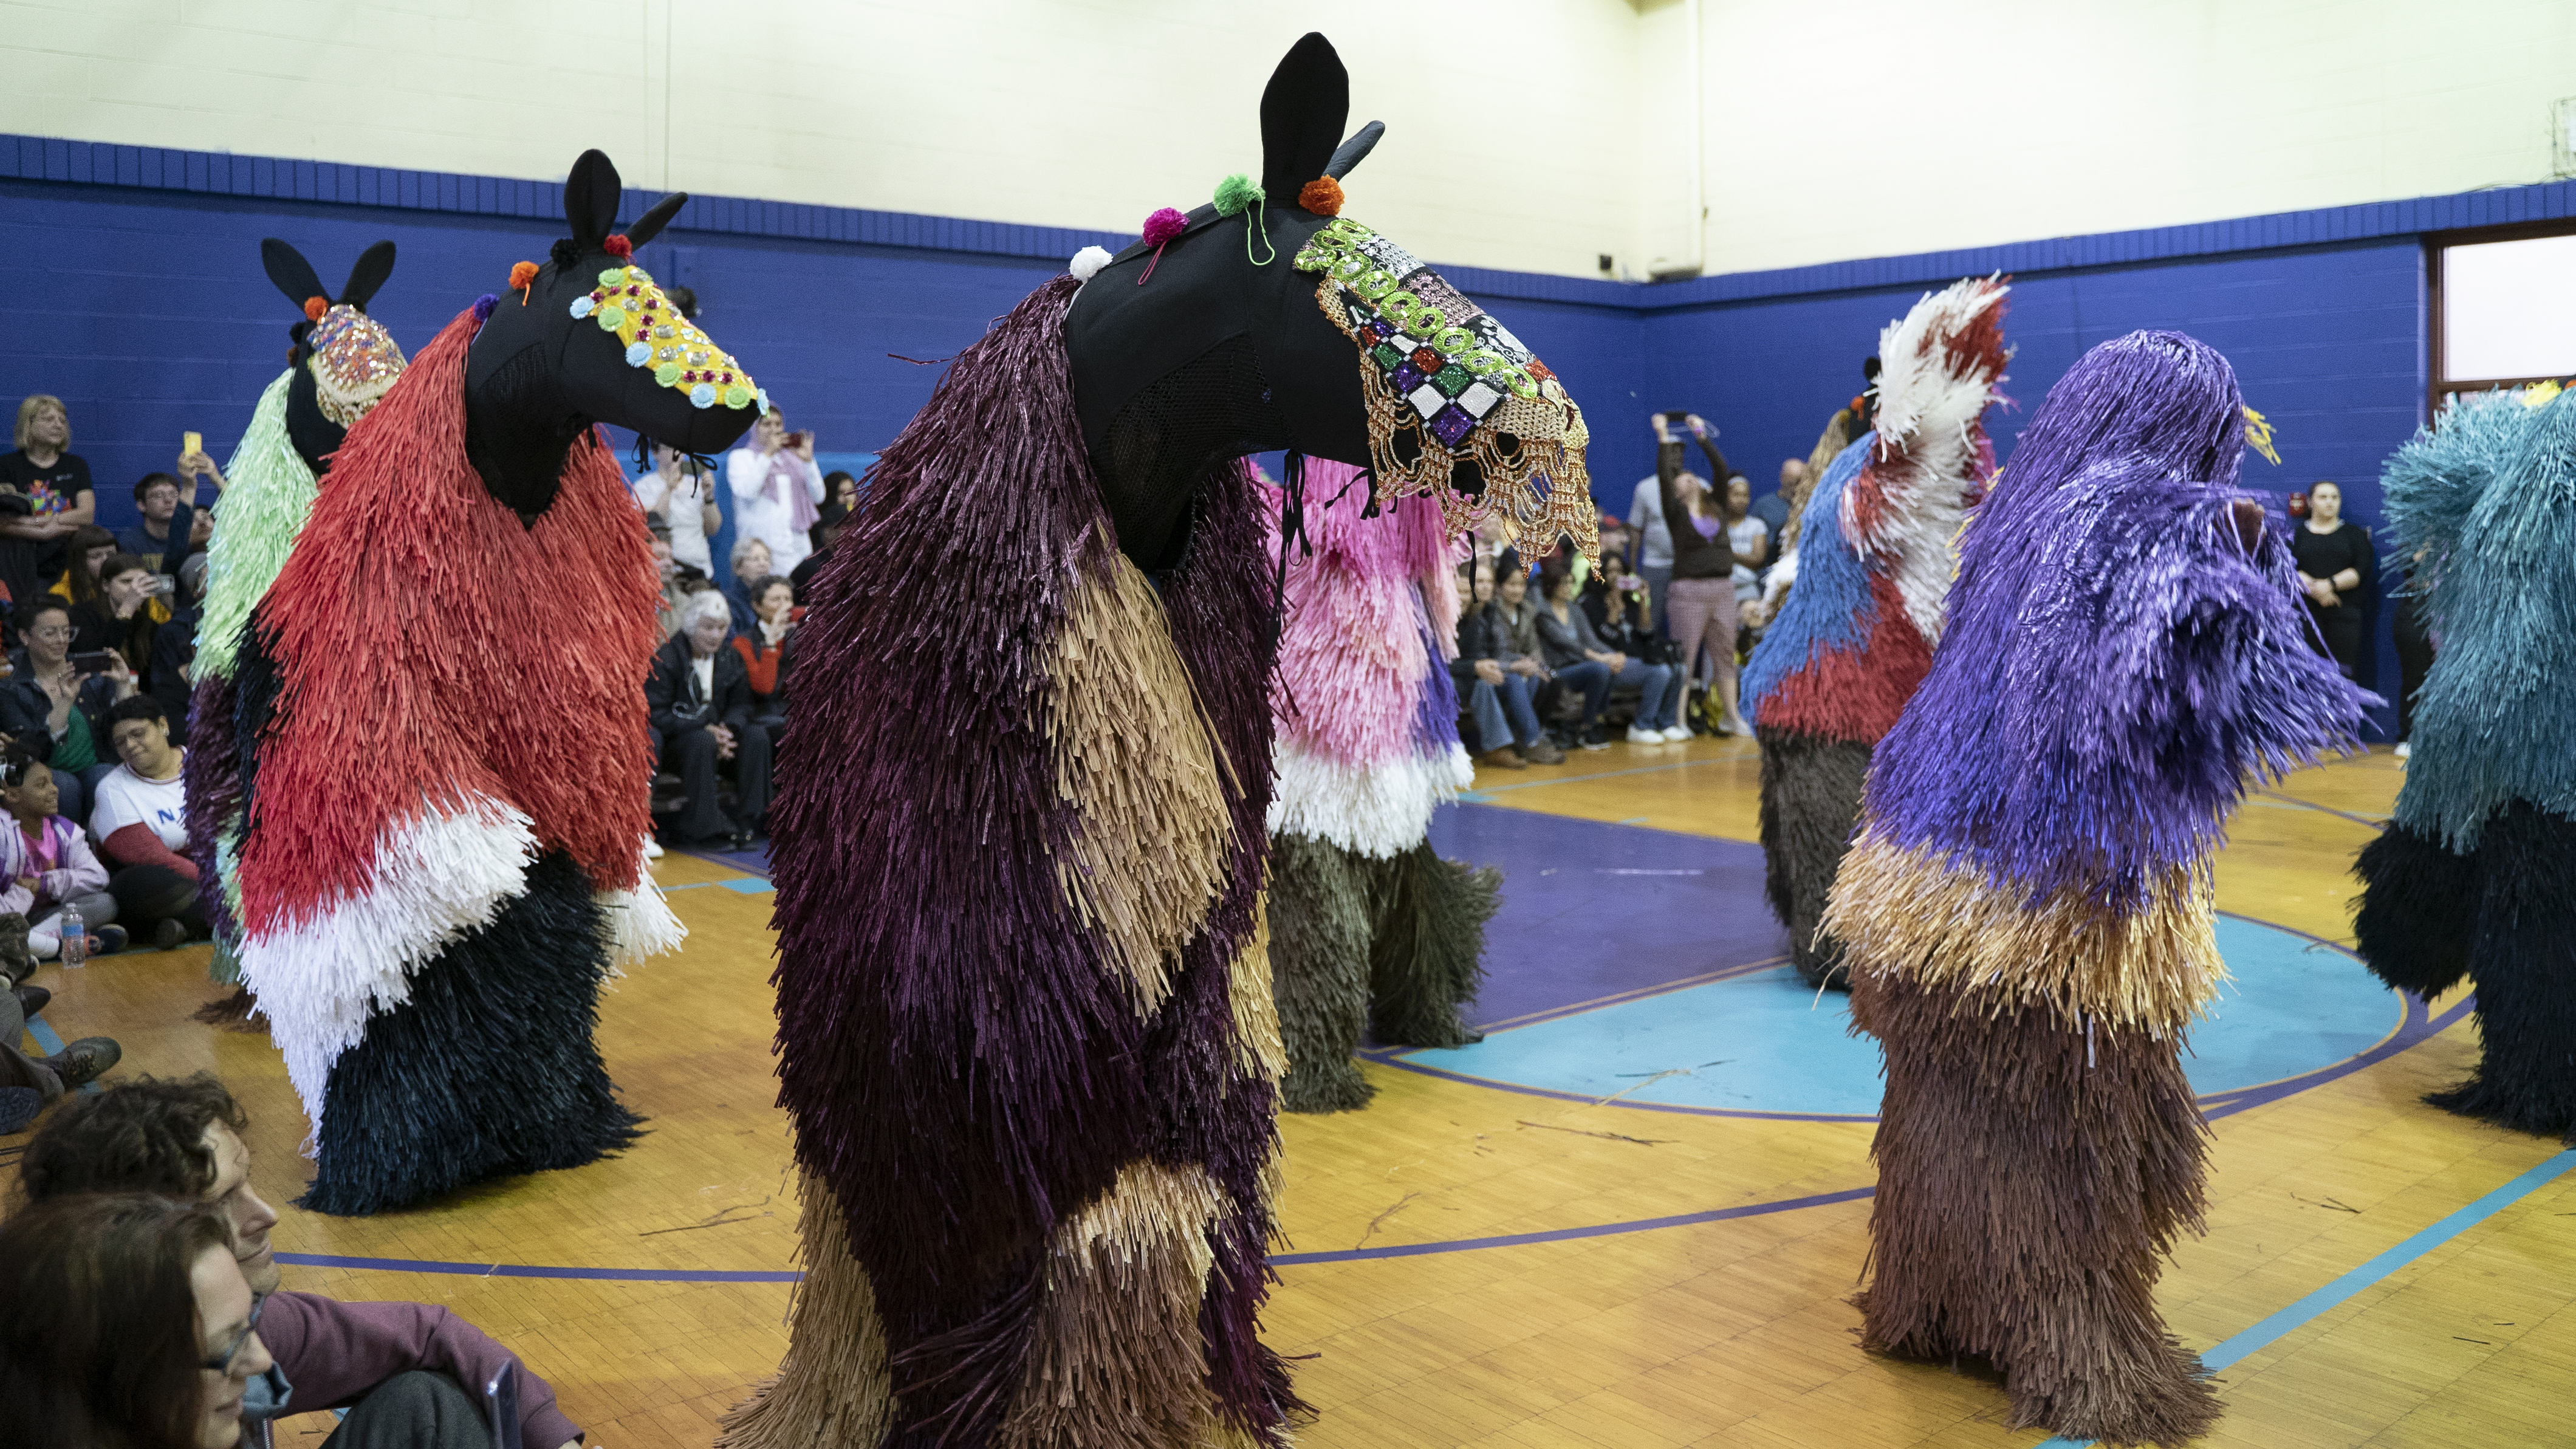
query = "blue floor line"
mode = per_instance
[{"x": 2234, "y": 1350}]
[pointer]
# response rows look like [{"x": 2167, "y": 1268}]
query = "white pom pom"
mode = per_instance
[{"x": 1088, "y": 262}]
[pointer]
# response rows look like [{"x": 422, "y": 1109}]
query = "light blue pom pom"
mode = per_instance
[
  {"x": 703, "y": 395},
  {"x": 581, "y": 306},
  {"x": 638, "y": 353},
  {"x": 764, "y": 402}
]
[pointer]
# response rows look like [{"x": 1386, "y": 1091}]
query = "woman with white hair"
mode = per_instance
[{"x": 700, "y": 701}]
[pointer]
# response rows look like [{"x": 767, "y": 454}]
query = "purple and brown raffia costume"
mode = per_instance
[{"x": 2027, "y": 911}]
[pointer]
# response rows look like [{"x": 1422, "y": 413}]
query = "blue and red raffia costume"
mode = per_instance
[
  {"x": 1873, "y": 564},
  {"x": 2027, "y": 913},
  {"x": 2476, "y": 876}
]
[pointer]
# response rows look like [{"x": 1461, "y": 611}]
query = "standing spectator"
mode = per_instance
[
  {"x": 48, "y": 864},
  {"x": 1651, "y": 538},
  {"x": 124, "y": 616},
  {"x": 50, "y": 486},
  {"x": 398, "y": 1368},
  {"x": 750, "y": 564},
  {"x": 774, "y": 614},
  {"x": 2336, "y": 567},
  {"x": 170, "y": 531},
  {"x": 1699, "y": 609},
  {"x": 699, "y": 699},
  {"x": 777, "y": 491},
  {"x": 129, "y": 1326},
  {"x": 841, "y": 488},
  {"x": 56, "y": 712},
  {"x": 827, "y": 532},
  {"x": 141, "y": 820},
  {"x": 1497, "y": 696},
  {"x": 1582, "y": 661},
  {"x": 677, "y": 491}
]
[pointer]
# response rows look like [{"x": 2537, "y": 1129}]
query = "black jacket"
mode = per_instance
[
  {"x": 24, "y": 707},
  {"x": 671, "y": 693},
  {"x": 1480, "y": 636}
]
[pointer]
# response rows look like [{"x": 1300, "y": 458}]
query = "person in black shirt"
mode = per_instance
[
  {"x": 44, "y": 496},
  {"x": 2337, "y": 568},
  {"x": 699, "y": 701},
  {"x": 170, "y": 529},
  {"x": 827, "y": 530}
]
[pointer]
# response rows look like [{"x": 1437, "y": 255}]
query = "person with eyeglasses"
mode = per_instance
[
  {"x": 57, "y": 711},
  {"x": 129, "y": 1325},
  {"x": 409, "y": 1374}
]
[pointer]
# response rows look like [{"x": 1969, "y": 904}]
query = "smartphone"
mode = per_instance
[
  {"x": 191, "y": 443},
  {"x": 92, "y": 661},
  {"x": 1630, "y": 583},
  {"x": 501, "y": 1405}
]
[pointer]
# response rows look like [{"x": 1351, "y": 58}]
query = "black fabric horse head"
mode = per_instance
[
  {"x": 590, "y": 338},
  {"x": 343, "y": 359},
  {"x": 1272, "y": 322}
]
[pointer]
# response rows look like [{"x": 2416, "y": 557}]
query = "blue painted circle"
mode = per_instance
[{"x": 1766, "y": 1042}]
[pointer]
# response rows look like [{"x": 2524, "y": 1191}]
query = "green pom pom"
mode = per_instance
[
  {"x": 667, "y": 374},
  {"x": 1235, "y": 193}
]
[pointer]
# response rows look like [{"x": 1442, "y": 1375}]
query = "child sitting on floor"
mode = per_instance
[{"x": 48, "y": 863}]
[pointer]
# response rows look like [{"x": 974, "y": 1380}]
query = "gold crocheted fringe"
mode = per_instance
[
  {"x": 1116, "y": 1358},
  {"x": 1522, "y": 441},
  {"x": 1259, "y": 1053},
  {"x": 833, "y": 1388},
  {"x": 1134, "y": 751},
  {"x": 1917, "y": 915}
]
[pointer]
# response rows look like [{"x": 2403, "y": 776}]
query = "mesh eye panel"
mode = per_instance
[{"x": 1170, "y": 434}]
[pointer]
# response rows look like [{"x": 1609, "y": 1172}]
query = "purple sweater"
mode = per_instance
[{"x": 333, "y": 1353}]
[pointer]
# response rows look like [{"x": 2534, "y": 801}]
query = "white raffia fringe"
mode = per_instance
[
  {"x": 1380, "y": 811},
  {"x": 1925, "y": 449},
  {"x": 437, "y": 876},
  {"x": 637, "y": 924}
]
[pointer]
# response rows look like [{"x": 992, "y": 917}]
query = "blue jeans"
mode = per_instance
[
  {"x": 1659, "y": 697},
  {"x": 1503, "y": 713}
]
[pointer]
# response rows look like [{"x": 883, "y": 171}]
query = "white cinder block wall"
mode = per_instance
[{"x": 1534, "y": 135}]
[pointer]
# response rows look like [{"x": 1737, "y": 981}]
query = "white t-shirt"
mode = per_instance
[
  {"x": 1744, "y": 536},
  {"x": 772, "y": 521},
  {"x": 126, "y": 798},
  {"x": 1646, "y": 520},
  {"x": 686, "y": 512}
]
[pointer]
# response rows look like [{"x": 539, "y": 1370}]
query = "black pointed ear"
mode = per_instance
[
  {"x": 1302, "y": 111},
  {"x": 288, "y": 269},
  {"x": 650, "y": 224},
  {"x": 374, "y": 265},
  {"x": 1355, "y": 150},
  {"x": 591, "y": 195}
]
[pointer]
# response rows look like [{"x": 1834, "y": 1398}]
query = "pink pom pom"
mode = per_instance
[{"x": 1164, "y": 225}]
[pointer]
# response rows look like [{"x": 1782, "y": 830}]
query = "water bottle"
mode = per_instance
[{"x": 75, "y": 948}]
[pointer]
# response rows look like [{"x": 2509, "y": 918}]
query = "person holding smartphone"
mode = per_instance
[
  {"x": 1699, "y": 609},
  {"x": 56, "y": 705},
  {"x": 169, "y": 529},
  {"x": 777, "y": 491},
  {"x": 676, "y": 490}
]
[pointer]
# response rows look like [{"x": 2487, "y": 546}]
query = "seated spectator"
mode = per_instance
[
  {"x": 44, "y": 496},
  {"x": 1496, "y": 695},
  {"x": 1750, "y": 536},
  {"x": 841, "y": 488},
  {"x": 1582, "y": 661},
  {"x": 48, "y": 864},
  {"x": 84, "y": 560},
  {"x": 171, "y": 530},
  {"x": 125, "y": 616},
  {"x": 173, "y": 675},
  {"x": 141, "y": 821},
  {"x": 827, "y": 531},
  {"x": 699, "y": 698},
  {"x": 1517, "y": 614},
  {"x": 128, "y": 1325},
  {"x": 28, "y": 1083},
  {"x": 57, "y": 711},
  {"x": 750, "y": 563},
  {"x": 774, "y": 615},
  {"x": 396, "y": 1367}
]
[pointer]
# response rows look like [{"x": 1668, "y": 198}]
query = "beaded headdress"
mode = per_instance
[
  {"x": 631, "y": 304},
  {"x": 354, "y": 362}
]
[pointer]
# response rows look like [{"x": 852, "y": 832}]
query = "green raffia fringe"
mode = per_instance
[{"x": 268, "y": 495}]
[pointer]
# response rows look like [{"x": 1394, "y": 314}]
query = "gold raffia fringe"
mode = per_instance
[
  {"x": 1116, "y": 1359},
  {"x": 1134, "y": 752},
  {"x": 1258, "y": 1051},
  {"x": 834, "y": 1388},
  {"x": 1918, "y": 915}
]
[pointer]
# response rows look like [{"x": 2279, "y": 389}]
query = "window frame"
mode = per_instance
[{"x": 2442, "y": 388}]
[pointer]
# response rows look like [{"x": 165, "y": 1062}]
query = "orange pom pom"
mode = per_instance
[
  {"x": 521, "y": 274},
  {"x": 314, "y": 307},
  {"x": 1322, "y": 196}
]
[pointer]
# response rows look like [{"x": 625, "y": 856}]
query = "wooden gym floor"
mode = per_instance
[{"x": 2375, "y": 1272}]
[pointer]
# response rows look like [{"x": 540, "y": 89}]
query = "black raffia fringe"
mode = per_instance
[
  {"x": 488, "y": 1071},
  {"x": 1320, "y": 899},
  {"x": 1811, "y": 789},
  {"x": 2524, "y": 950},
  {"x": 2419, "y": 903},
  {"x": 1428, "y": 958},
  {"x": 2031, "y": 1181}
]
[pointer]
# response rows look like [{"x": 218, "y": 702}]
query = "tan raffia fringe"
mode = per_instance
[
  {"x": 1258, "y": 1052},
  {"x": 1134, "y": 753},
  {"x": 833, "y": 1390},
  {"x": 1116, "y": 1360},
  {"x": 1920, "y": 916},
  {"x": 2031, "y": 1181}
]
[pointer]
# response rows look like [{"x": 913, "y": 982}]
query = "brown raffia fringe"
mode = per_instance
[
  {"x": 1915, "y": 914},
  {"x": 237, "y": 1012},
  {"x": 2031, "y": 1180},
  {"x": 833, "y": 1390},
  {"x": 1811, "y": 790},
  {"x": 1133, "y": 752},
  {"x": 1117, "y": 1361}
]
